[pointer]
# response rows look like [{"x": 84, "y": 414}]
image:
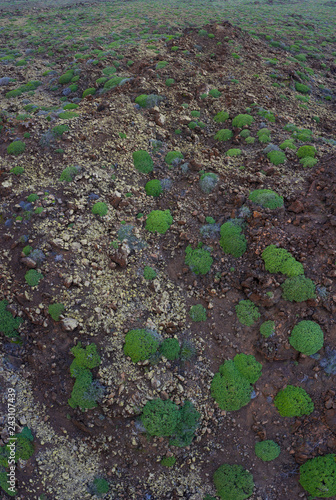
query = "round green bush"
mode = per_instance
[
  {"x": 69, "y": 173},
  {"x": 308, "y": 162},
  {"x": 153, "y": 188},
  {"x": 306, "y": 152},
  {"x": 267, "y": 328},
  {"x": 67, "y": 77},
  {"x": 199, "y": 260},
  {"x": 55, "y": 310},
  {"x": 159, "y": 221},
  {"x": 232, "y": 241},
  {"x": 247, "y": 312},
  {"x": 307, "y": 337},
  {"x": 140, "y": 345},
  {"x": 300, "y": 87},
  {"x": 215, "y": 93},
  {"x": 248, "y": 367},
  {"x": 90, "y": 91},
  {"x": 149, "y": 273},
  {"x": 16, "y": 148},
  {"x": 160, "y": 418},
  {"x": 279, "y": 260},
  {"x": 168, "y": 461},
  {"x": 298, "y": 289},
  {"x": 198, "y": 313},
  {"x": 233, "y": 152},
  {"x": 233, "y": 482},
  {"x": 170, "y": 82},
  {"x": 266, "y": 198},
  {"x": 267, "y": 450},
  {"x": 172, "y": 155},
  {"x": 229, "y": 388},
  {"x": 224, "y": 134},
  {"x": 100, "y": 208},
  {"x": 17, "y": 170},
  {"x": 100, "y": 486},
  {"x": 276, "y": 157},
  {"x": 241, "y": 121},
  {"x": 170, "y": 349},
  {"x": 142, "y": 161},
  {"x": 318, "y": 476},
  {"x": 221, "y": 117},
  {"x": 293, "y": 402},
  {"x": 33, "y": 277}
]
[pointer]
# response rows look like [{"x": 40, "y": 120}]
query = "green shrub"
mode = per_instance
[
  {"x": 168, "y": 461},
  {"x": 241, "y": 121},
  {"x": 69, "y": 173},
  {"x": 170, "y": 349},
  {"x": 148, "y": 101},
  {"x": 188, "y": 350},
  {"x": 59, "y": 130},
  {"x": 266, "y": 198},
  {"x": 215, "y": 93},
  {"x": 16, "y": 148},
  {"x": 199, "y": 260},
  {"x": 113, "y": 82},
  {"x": 248, "y": 367},
  {"x": 288, "y": 143},
  {"x": 99, "y": 208},
  {"x": 308, "y": 162},
  {"x": 159, "y": 221},
  {"x": 67, "y": 77},
  {"x": 306, "y": 151},
  {"x": 172, "y": 155},
  {"x": 224, "y": 134},
  {"x": 208, "y": 182},
  {"x": 300, "y": 87},
  {"x": 160, "y": 418},
  {"x": 109, "y": 70},
  {"x": 276, "y": 157},
  {"x": 142, "y": 161},
  {"x": 186, "y": 425},
  {"x": 84, "y": 393},
  {"x": 140, "y": 345},
  {"x": 318, "y": 476},
  {"x": 197, "y": 313},
  {"x": 27, "y": 249},
  {"x": 161, "y": 64},
  {"x": 293, "y": 402},
  {"x": 233, "y": 152},
  {"x": 221, "y": 117},
  {"x": 8, "y": 325},
  {"x": 90, "y": 91},
  {"x": 307, "y": 337},
  {"x": 232, "y": 241},
  {"x": 230, "y": 389},
  {"x": 55, "y": 310},
  {"x": 100, "y": 486},
  {"x": 170, "y": 82},
  {"x": 267, "y": 450},
  {"x": 69, "y": 106},
  {"x": 278, "y": 260},
  {"x": 298, "y": 289},
  {"x": 33, "y": 277},
  {"x": 192, "y": 125},
  {"x": 250, "y": 140},
  {"x": 233, "y": 482},
  {"x": 247, "y": 312},
  {"x": 149, "y": 273},
  {"x": 153, "y": 188},
  {"x": 245, "y": 133},
  {"x": 267, "y": 328},
  {"x": 263, "y": 132},
  {"x": 85, "y": 359}
]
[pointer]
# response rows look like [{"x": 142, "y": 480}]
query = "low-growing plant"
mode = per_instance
[
  {"x": 153, "y": 188},
  {"x": 233, "y": 482},
  {"x": 300, "y": 87},
  {"x": 100, "y": 208},
  {"x": 159, "y": 221},
  {"x": 232, "y": 240},
  {"x": 266, "y": 198},
  {"x": 8, "y": 324},
  {"x": 172, "y": 155},
  {"x": 99, "y": 486},
  {"x": 224, "y": 134},
  {"x": 90, "y": 91},
  {"x": 168, "y": 461},
  {"x": 242, "y": 120},
  {"x": 288, "y": 143},
  {"x": 140, "y": 344},
  {"x": 247, "y": 312},
  {"x": 188, "y": 351},
  {"x": 199, "y": 259},
  {"x": 276, "y": 157},
  {"x": 307, "y": 337},
  {"x": 215, "y": 93},
  {"x": 149, "y": 273},
  {"x": 306, "y": 151},
  {"x": 233, "y": 152},
  {"x": 33, "y": 277},
  {"x": 267, "y": 328},
  {"x": 308, "y": 162},
  {"x": 221, "y": 117},
  {"x": 170, "y": 349},
  {"x": 16, "y": 148},
  {"x": 230, "y": 389},
  {"x": 69, "y": 173},
  {"x": 267, "y": 450},
  {"x": 279, "y": 260},
  {"x": 208, "y": 182},
  {"x": 143, "y": 161},
  {"x": 293, "y": 401},
  {"x": 318, "y": 476},
  {"x": 298, "y": 289},
  {"x": 248, "y": 367},
  {"x": 55, "y": 310},
  {"x": 197, "y": 313}
]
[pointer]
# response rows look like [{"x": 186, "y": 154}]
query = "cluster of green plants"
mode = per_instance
[
  {"x": 70, "y": 172},
  {"x": 173, "y": 155},
  {"x": 166, "y": 419},
  {"x": 267, "y": 450},
  {"x": 298, "y": 289},
  {"x": 27, "y": 87},
  {"x": 100, "y": 208},
  {"x": 266, "y": 198},
  {"x": 143, "y": 161},
  {"x": 232, "y": 239},
  {"x": 197, "y": 313},
  {"x": 267, "y": 328},
  {"x": 279, "y": 260},
  {"x": 55, "y": 310},
  {"x": 231, "y": 386},
  {"x": 307, "y": 337},
  {"x": 33, "y": 277},
  {"x": 16, "y": 148},
  {"x": 247, "y": 312},
  {"x": 85, "y": 392},
  {"x": 198, "y": 259},
  {"x": 9, "y": 325},
  {"x": 159, "y": 221},
  {"x": 233, "y": 482},
  {"x": 293, "y": 401},
  {"x": 318, "y": 476}
]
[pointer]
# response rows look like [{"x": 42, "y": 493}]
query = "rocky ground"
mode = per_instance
[{"x": 94, "y": 265}]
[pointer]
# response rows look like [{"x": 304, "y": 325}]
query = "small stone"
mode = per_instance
[{"x": 69, "y": 324}]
